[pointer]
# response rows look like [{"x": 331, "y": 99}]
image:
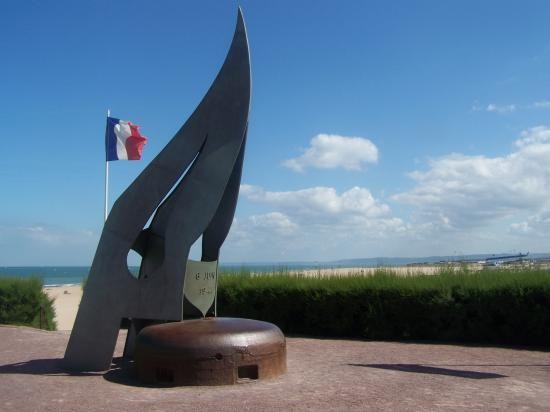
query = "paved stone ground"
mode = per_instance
[{"x": 322, "y": 375}]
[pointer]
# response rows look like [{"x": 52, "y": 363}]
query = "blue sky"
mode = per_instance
[{"x": 377, "y": 128}]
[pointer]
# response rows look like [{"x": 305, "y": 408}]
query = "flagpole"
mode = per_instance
[{"x": 107, "y": 180}]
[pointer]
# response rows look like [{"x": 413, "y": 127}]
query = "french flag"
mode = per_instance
[{"x": 122, "y": 140}]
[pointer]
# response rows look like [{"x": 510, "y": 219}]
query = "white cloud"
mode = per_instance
[
  {"x": 534, "y": 135},
  {"x": 261, "y": 237},
  {"x": 49, "y": 236},
  {"x": 274, "y": 221},
  {"x": 320, "y": 201},
  {"x": 316, "y": 223},
  {"x": 45, "y": 245},
  {"x": 329, "y": 151},
  {"x": 509, "y": 108},
  {"x": 522, "y": 228},
  {"x": 544, "y": 104},
  {"x": 461, "y": 191},
  {"x": 535, "y": 225},
  {"x": 459, "y": 204},
  {"x": 501, "y": 109}
]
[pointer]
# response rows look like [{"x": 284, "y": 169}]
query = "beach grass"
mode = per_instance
[
  {"x": 505, "y": 306},
  {"x": 444, "y": 278}
]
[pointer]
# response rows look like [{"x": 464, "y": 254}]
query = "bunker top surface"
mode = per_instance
[
  {"x": 197, "y": 335},
  {"x": 322, "y": 374}
]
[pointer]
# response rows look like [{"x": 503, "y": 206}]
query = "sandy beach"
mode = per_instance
[
  {"x": 398, "y": 270},
  {"x": 67, "y": 298}
]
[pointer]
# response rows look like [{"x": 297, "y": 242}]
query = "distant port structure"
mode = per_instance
[
  {"x": 503, "y": 259},
  {"x": 487, "y": 260}
]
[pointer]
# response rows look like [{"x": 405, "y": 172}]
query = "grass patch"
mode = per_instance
[{"x": 489, "y": 306}]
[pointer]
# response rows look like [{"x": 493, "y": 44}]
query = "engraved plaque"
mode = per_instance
[{"x": 200, "y": 284}]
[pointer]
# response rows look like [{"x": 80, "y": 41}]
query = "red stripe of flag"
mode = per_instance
[{"x": 134, "y": 144}]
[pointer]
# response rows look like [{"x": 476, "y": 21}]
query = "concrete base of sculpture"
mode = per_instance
[{"x": 209, "y": 351}]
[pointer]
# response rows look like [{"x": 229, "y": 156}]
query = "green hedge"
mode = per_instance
[
  {"x": 23, "y": 302},
  {"x": 503, "y": 306}
]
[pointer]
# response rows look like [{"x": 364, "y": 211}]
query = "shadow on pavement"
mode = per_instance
[
  {"x": 51, "y": 367},
  {"x": 416, "y": 368},
  {"x": 123, "y": 372}
]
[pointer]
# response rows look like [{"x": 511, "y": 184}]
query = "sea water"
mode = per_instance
[
  {"x": 62, "y": 275},
  {"x": 50, "y": 275},
  {"x": 73, "y": 275}
]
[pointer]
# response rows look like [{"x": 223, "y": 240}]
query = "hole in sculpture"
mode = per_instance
[
  {"x": 219, "y": 356},
  {"x": 164, "y": 375},
  {"x": 195, "y": 251},
  {"x": 134, "y": 262},
  {"x": 248, "y": 372}
]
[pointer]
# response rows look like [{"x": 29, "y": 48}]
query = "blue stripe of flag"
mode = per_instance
[{"x": 110, "y": 139}]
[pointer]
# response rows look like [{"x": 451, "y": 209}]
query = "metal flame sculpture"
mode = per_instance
[{"x": 210, "y": 147}]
